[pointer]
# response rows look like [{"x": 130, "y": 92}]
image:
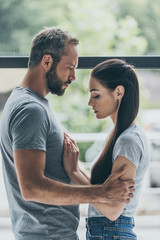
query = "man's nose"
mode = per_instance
[{"x": 72, "y": 76}]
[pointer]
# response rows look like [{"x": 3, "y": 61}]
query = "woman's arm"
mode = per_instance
[
  {"x": 79, "y": 177},
  {"x": 114, "y": 211},
  {"x": 110, "y": 211}
]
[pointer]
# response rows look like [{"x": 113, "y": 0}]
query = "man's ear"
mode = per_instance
[
  {"x": 47, "y": 62},
  {"x": 119, "y": 91}
]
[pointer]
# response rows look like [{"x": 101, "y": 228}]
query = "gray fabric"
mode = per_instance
[
  {"x": 133, "y": 145},
  {"x": 28, "y": 123}
]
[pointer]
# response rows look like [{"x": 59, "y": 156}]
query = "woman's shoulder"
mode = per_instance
[
  {"x": 133, "y": 145},
  {"x": 133, "y": 131},
  {"x": 133, "y": 135}
]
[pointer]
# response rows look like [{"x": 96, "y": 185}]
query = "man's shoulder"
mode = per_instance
[
  {"x": 30, "y": 110},
  {"x": 24, "y": 99}
]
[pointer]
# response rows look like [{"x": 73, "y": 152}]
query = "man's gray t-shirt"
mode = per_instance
[
  {"x": 27, "y": 122},
  {"x": 133, "y": 145}
]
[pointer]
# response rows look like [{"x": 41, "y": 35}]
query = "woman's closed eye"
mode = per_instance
[{"x": 97, "y": 96}]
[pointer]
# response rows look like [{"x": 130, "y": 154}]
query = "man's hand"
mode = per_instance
[{"x": 118, "y": 191}]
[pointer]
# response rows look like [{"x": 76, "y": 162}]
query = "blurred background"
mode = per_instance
[{"x": 104, "y": 28}]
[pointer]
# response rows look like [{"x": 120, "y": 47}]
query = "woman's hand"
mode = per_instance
[{"x": 70, "y": 155}]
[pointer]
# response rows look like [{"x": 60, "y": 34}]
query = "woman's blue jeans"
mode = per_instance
[{"x": 101, "y": 228}]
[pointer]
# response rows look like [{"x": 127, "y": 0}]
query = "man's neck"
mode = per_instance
[{"x": 35, "y": 80}]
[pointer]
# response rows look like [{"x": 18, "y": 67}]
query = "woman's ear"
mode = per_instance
[
  {"x": 119, "y": 92},
  {"x": 47, "y": 62}
]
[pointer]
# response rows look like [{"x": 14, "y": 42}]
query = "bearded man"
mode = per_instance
[{"x": 42, "y": 201}]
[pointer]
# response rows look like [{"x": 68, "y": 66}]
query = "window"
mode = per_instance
[{"x": 127, "y": 29}]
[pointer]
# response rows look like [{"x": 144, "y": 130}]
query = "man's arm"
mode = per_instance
[{"x": 34, "y": 186}]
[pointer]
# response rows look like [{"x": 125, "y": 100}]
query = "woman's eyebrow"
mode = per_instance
[{"x": 94, "y": 89}]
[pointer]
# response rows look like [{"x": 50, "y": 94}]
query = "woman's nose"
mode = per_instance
[{"x": 90, "y": 102}]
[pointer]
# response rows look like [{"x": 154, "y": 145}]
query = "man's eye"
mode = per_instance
[{"x": 70, "y": 68}]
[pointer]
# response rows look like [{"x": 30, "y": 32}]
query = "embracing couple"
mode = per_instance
[{"x": 43, "y": 181}]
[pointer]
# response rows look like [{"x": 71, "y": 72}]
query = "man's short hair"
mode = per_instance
[{"x": 50, "y": 40}]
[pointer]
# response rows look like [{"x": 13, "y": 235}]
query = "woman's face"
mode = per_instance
[{"x": 103, "y": 101}]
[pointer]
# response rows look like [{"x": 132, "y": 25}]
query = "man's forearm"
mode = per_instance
[
  {"x": 110, "y": 211},
  {"x": 52, "y": 192}
]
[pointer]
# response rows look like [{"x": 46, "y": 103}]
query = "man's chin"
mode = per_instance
[
  {"x": 61, "y": 93},
  {"x": 58, "y": 93}
]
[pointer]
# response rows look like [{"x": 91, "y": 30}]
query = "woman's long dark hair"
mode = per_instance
[{"x": 110, "y": 74}]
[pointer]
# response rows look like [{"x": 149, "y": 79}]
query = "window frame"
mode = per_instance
[{"x": 85, "y": 62}]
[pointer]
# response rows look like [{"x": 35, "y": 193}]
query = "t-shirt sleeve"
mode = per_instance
[
  {"x": 29, "y": 126},
  {"x": 129, "y": 146}
]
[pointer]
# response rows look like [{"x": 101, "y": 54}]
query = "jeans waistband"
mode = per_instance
[{"x": 100, "y": 220}]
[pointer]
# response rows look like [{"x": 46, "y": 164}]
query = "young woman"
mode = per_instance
[{"x": 114, "y": 93}]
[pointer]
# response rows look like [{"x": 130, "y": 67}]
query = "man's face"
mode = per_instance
[{"x": 58, "y": 78}]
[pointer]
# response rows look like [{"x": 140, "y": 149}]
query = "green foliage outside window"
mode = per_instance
[{"x": 104, "y": 28}]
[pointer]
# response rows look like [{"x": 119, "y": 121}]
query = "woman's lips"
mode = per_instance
[{"x": 95, "y": 111}]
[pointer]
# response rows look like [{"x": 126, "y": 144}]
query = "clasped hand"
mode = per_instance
[{"x": 70, "y": 155}]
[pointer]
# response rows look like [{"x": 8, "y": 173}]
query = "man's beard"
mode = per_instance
[{"x": 54, "y": 83}]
